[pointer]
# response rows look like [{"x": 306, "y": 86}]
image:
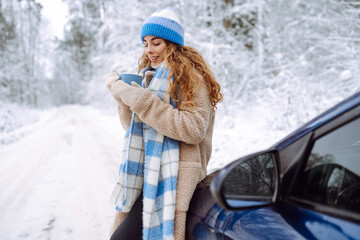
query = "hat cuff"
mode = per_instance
[{"x": 151, "y": 29}]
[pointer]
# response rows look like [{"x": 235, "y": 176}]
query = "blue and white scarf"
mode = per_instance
[{"x": 150, "y": 163}]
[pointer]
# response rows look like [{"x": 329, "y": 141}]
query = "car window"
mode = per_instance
[{"x": 331, "y": 174}]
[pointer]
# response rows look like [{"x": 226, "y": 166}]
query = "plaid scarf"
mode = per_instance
[{"x": 150, "y": 164}]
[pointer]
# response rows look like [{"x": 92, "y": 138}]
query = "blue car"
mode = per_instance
[{"x": 306, "y": 186}]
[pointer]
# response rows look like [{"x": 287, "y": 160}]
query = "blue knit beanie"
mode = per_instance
[{"x": 163, "y": 23}]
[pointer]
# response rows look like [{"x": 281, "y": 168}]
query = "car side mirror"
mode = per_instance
[{"x": 249, "y": 182}]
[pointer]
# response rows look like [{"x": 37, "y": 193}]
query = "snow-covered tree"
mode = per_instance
[{"x": 281, "y": 56}]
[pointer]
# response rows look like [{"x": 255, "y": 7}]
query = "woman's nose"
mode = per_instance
[{"x": 149, "y": 49}]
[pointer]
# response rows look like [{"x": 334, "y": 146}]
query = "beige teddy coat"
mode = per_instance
[{"x": 192, "y": 126}]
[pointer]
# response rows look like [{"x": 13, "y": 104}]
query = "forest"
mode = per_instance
[{"x": 286, "y": 60}]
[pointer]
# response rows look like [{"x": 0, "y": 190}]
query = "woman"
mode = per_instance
[{"x": 169, "y": 123}]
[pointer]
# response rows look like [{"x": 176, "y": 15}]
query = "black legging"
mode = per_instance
[{"x": 131, "y": 227}]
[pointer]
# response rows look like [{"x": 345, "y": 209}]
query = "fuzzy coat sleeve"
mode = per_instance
[
  {"x": 188, "y": 125},
  {"x": 124, "y": 114}
]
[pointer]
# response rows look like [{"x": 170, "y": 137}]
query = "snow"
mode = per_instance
[
  {"x": 57, "y": 178},
  {"x": 14, "y": 116},
  {"x": 55, "y": 13},
  {"x": 244, "y": 133},
  {"x": 346, "y": 75}
]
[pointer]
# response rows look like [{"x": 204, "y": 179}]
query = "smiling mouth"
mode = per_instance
[{"x": 153, "y": 58}]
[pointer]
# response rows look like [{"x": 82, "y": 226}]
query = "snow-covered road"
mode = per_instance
[{"x": 55, "y": 182}]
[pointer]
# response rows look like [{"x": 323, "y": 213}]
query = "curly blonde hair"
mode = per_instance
[{"x": 182, "y": 61}]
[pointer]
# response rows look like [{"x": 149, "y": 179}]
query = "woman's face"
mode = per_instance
[{"x": 154, "y": 48}]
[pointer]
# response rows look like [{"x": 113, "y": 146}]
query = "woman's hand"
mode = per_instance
[
  {"x": 128, "y": 94},
  {"x": 110, "y": 79}
]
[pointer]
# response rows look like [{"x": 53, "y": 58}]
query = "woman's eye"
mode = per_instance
[{"x": 156, "y": 44}]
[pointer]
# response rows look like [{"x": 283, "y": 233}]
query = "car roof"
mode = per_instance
[{"x": 320, "y": 120}]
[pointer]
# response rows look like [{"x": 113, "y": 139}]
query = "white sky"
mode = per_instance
[{"x": 54, "y": 11}]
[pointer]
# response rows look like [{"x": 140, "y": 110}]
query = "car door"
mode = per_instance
[
  {"x": 316, "y": 197},
  {"x": 325, "y": 200}
]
